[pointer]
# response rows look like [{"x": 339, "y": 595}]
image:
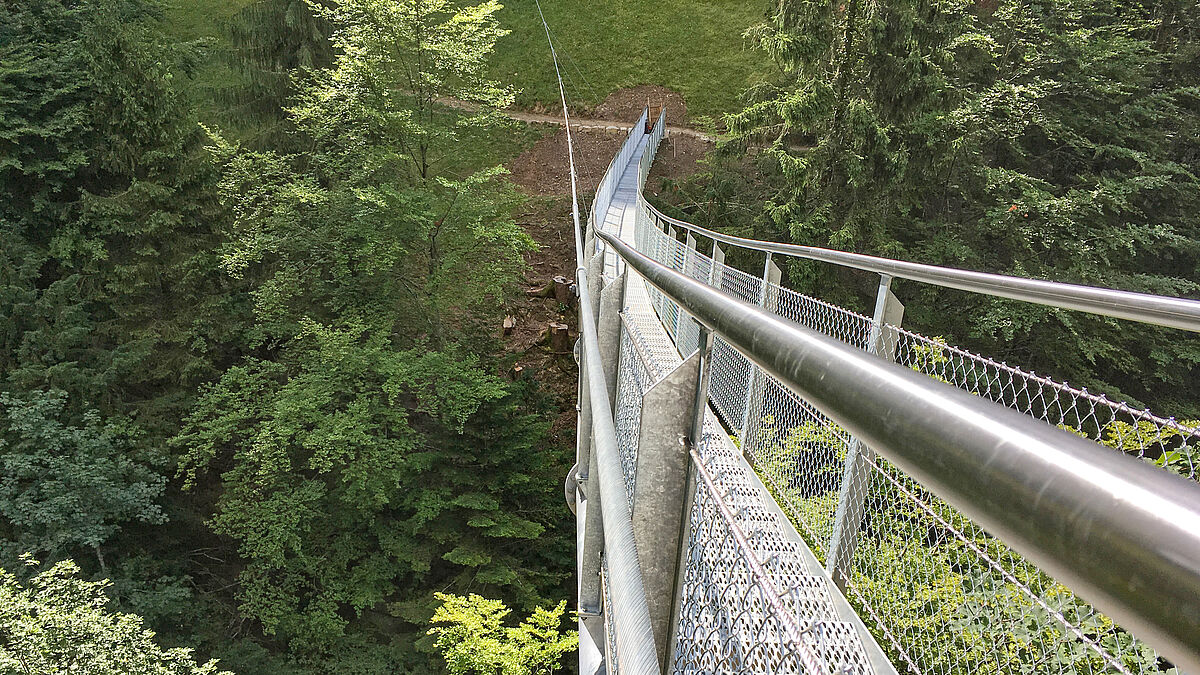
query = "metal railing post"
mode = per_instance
[
  {"x": 592, "y": 536},
  {"x": 609, "y": 329},
  {"x": 856, "y": 475},
  {"x": 689, "y": 256},
  {"x": 595, "y": 280},
  {"x": 699, "y": 409},
  {"x": 670, "y": 262},
  {"x": 768, "y": 298},
  {"x": 716, "y": 274}
]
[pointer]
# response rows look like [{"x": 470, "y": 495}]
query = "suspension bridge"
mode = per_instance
[{"x": 769, "y": 483}]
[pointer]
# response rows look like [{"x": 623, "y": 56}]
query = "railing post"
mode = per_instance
[
  {"x": 768, "y": 298},
  {"x": 856, "y": 476},
  {"x": 595, "y": 279},
  {"x": 591, "y": 537},
  {"x": 716, "y": 275},
  {"x": 664, "y": 485},
  {"x": 589, "y": 235},
  {"x": 609, "y": 329},
  {"x": 673, "y": 234},
  {"x": 689, "y": 256}
]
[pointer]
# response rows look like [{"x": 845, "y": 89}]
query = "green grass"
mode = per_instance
[
  {"x": 692, "y": 46},
  {"x": 483, "y": 148},
  {"x": 207, "y": 20},
  {"x": 193, "y": 19}
]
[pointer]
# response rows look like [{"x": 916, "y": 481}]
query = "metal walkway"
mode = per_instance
[
  {"x": 735, "y": 499},
  {"x": 765, "y": 527}
]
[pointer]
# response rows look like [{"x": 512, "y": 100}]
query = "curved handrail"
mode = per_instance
[
  {"x": 1123, "y": 533},
  {"x": 1158, "y": 310}
]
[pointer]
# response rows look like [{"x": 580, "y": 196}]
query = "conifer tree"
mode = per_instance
[{"x": 1053, "y": 139}]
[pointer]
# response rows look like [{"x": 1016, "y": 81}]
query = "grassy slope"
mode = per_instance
[
  {"x": 207, "y": 20},
  {"x": 692, "y": 46}
]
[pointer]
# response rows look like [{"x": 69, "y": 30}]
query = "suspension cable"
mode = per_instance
[{"x": 562, "y": 92}]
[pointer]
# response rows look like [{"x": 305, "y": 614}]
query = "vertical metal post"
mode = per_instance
[
  {"x": 689, "y": 256},
  {"x": 672, "y": 412},
  {"x": 589, "y": 237},
  {"x": 768, "y": 298},
  {"x": 675, "y": 320},
  {"x": 588, "y": 520},
  {"x": 609, "y": 329},
  {"x": 684, "y": 333},
  {"x": 595, "y": 280},
  {"x": 717, "y": 273},
  {"x": 699, "y": 410},
  {"x": 856, "y": 475}
]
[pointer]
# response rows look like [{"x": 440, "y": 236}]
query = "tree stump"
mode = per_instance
[
  {"x": 560, "y": 337},
  {"x": 562, "y": 290}
]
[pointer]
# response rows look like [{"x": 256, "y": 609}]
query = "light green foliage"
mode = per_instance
[
  {"x": 395, "y": 60},
  {"x": 934, "y": 590},
  {"x": 336, "y": 286},
  {"x": 373, "y": 454},
  {"x": 355, "y": 479},
  {"x": 472, "y": 637},
  {"x": 57, "y": 623},
  {"x": 364, "y": 214},
  {"x": 1054, "y": 140},
  {"x": 62, "y": 486},
  {"x": 1167, "y": 447}
]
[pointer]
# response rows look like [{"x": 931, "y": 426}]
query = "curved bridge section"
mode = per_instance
[{"x": 770, "y": 483}]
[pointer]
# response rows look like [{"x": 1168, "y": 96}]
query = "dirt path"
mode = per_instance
[{"x": 585, "y": 124}]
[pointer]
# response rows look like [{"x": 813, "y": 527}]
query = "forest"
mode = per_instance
[{"x": 256, "y": 415}]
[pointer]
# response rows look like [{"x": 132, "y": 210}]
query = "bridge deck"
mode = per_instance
[{"x": 845, "y": 640}]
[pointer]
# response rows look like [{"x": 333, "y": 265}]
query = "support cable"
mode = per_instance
[
  {"x": 634, "y": 639},
  {"x": 579, "y": 262}
]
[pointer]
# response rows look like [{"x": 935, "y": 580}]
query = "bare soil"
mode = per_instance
[
  {"x": 543, "y": 172},
  {"x": 627, "y": 104},
  {"x": 678, "y": 157}
]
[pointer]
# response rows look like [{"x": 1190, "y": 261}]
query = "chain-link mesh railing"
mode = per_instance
[
  {"x": 939, "y": 593},
  {"x": 749, "y": 602}
]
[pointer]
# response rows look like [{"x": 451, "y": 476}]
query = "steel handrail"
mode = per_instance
[
  {"x": 1158, "y": 310},
  {"x": 634, "y": 640},
  {"x": 1123, "y": 533}
]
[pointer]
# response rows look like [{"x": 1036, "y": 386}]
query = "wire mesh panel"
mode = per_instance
[
  {"x": 632, "y": 382},
  {"x": 938, "y": 592},
  {"x": 740, "y": 284},
  {"x": 849, "y": 327},
  {"x": 749, "y": 603},
  {"x": 800, "y": 454},
  {"x": 727, "y": 385},
  {"x": 698, "y": 267},
  {"x": 734, "y": 616},
  {"x": 1170, "y": 444}
]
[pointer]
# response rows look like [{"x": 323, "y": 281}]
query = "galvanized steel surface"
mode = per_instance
[
  {"x": 749, "y": 603},
  {"x": 936, "y": 588},
  {"x": 1160, "y": 310},
  {"x": 1124, "y": 534}
]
